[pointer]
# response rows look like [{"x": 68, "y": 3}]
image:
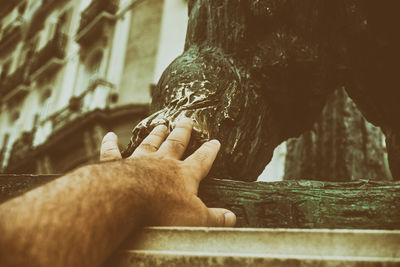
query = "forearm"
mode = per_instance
[
  {"x": 76, "y": 220},
  {"x": 82, "y": 217}
]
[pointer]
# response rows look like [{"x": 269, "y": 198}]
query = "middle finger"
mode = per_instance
[
  {"x": 153, "y": 141},
  {"x": 177, "y": 141}
]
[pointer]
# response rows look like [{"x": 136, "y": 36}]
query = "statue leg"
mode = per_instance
[
  {"x": 373, "y": 58},
  {"x": 205, "y": 85}
]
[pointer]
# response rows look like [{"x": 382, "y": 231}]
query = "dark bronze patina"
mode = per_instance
[{"x": 256, "y": 72}]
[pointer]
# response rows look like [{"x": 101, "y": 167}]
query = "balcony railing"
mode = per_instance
[
  {"x": 13, "y": 80},
  {"x": 95, "y": 97},
  {"x": 55, "y": 48},
  {"x": 10, "y": 34},
  {"x": 96, "y": 8},
  {"x": 40, "y": 16}
]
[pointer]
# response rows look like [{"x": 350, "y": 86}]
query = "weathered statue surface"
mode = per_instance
[{"x": 256, "y": 72}]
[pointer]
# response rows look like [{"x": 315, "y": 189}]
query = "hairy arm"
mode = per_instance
[
  {"x": 79, "y": 217},
  {"x": 82, "y": 217}
]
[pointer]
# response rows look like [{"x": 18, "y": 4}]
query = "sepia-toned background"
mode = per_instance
[{"x": 72, "y": 70}]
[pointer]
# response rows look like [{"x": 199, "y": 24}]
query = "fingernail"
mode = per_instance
[
  {"x": 230, "y": 219},
  {"x": 215, "y": 141},
  {"x": 109, "y": 135}
]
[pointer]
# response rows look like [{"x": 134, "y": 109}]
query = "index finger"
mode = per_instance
[{"x": 203, "y": 158}]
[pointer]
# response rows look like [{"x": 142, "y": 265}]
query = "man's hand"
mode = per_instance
[
  {"x": 80, "y": 218},
  {"x": 172, "y": 183}
]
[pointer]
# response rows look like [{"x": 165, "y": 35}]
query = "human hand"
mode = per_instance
[{"x": 172, "y": 183}]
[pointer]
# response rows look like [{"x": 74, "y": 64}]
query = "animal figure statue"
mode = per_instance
[{"x": 256, "y": 72}]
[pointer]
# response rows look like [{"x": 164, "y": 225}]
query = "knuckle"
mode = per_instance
[
  {"x": 108, "y": 149},
  {"x": 207, "y": 149},
  {"x": 202, "y": 155},
  {"x": 148, "y": 147},
  {"x": 175, "y": 143},
  {"x": 219, "y": 218},
  {"x": 193, "y": 169},
  {"x": 160, "y": 134},
  {"x": 203, "y": 217},
  {"x": 160, "y": 131},
  {"x": 108, "y": 157}
]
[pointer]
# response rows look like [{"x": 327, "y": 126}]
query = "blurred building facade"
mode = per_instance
[{"x": 71, "y": 70}]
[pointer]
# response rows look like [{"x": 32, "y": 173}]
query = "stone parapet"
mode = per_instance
[{"x": 180, "y": 246}]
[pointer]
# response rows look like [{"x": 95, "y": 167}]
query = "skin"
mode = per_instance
[{"x": 82, "y": 217}]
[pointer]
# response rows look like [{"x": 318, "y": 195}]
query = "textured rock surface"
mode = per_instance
[
  {"x": 255, "y": 73},
  {"x": 233, "y": 247},
  {"x": 307, "y": 204},
  {"x": 288, "y": 204},
  {"x": 341, "y": 146},
  {"x": 12, "y": 185}
]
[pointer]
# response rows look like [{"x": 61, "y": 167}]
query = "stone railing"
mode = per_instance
[
  {"x": 13, "y": 80},
  {"x": 55, "y": 48},
  {"x": 342, "y": 245},
  {"x": 65, "y": 115},
  {"x": 94, "y": 9},
  {"x": 97, "y": 95},
  {"x": 234, "y": 247}
]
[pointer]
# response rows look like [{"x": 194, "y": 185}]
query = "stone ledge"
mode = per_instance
[
  {"x": 183, "y": 246},
  {"x": 289, "y": 204}
]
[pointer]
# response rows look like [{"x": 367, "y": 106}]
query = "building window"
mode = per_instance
[
  {"x": 46, "y": 95},
  {"x": 23, "y": 57},
  {"x": 51, "y": 29},
  {"x": 15, "y": 116},
  {"x": 5, "y": 70},
  {"x": 94, "y": 63},
  {"x": 45, "y": 104},
  {"x": 64, "y": 21},
  {"x": 22, "y": 8},
  {"x": 33, "y": 46}
]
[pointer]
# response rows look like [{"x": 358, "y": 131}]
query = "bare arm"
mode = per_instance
[{"x": 82, "y": 217}]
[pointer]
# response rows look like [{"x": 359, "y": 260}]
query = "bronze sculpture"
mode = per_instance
[{"x": 256, "y": 72}]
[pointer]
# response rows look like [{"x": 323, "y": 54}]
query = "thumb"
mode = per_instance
[
  {"x": 109, "y": 147},
  {"x": 221, "y": 218}
]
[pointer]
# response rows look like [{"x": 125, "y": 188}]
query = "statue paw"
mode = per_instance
[{"x": 169, "y": 117}]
